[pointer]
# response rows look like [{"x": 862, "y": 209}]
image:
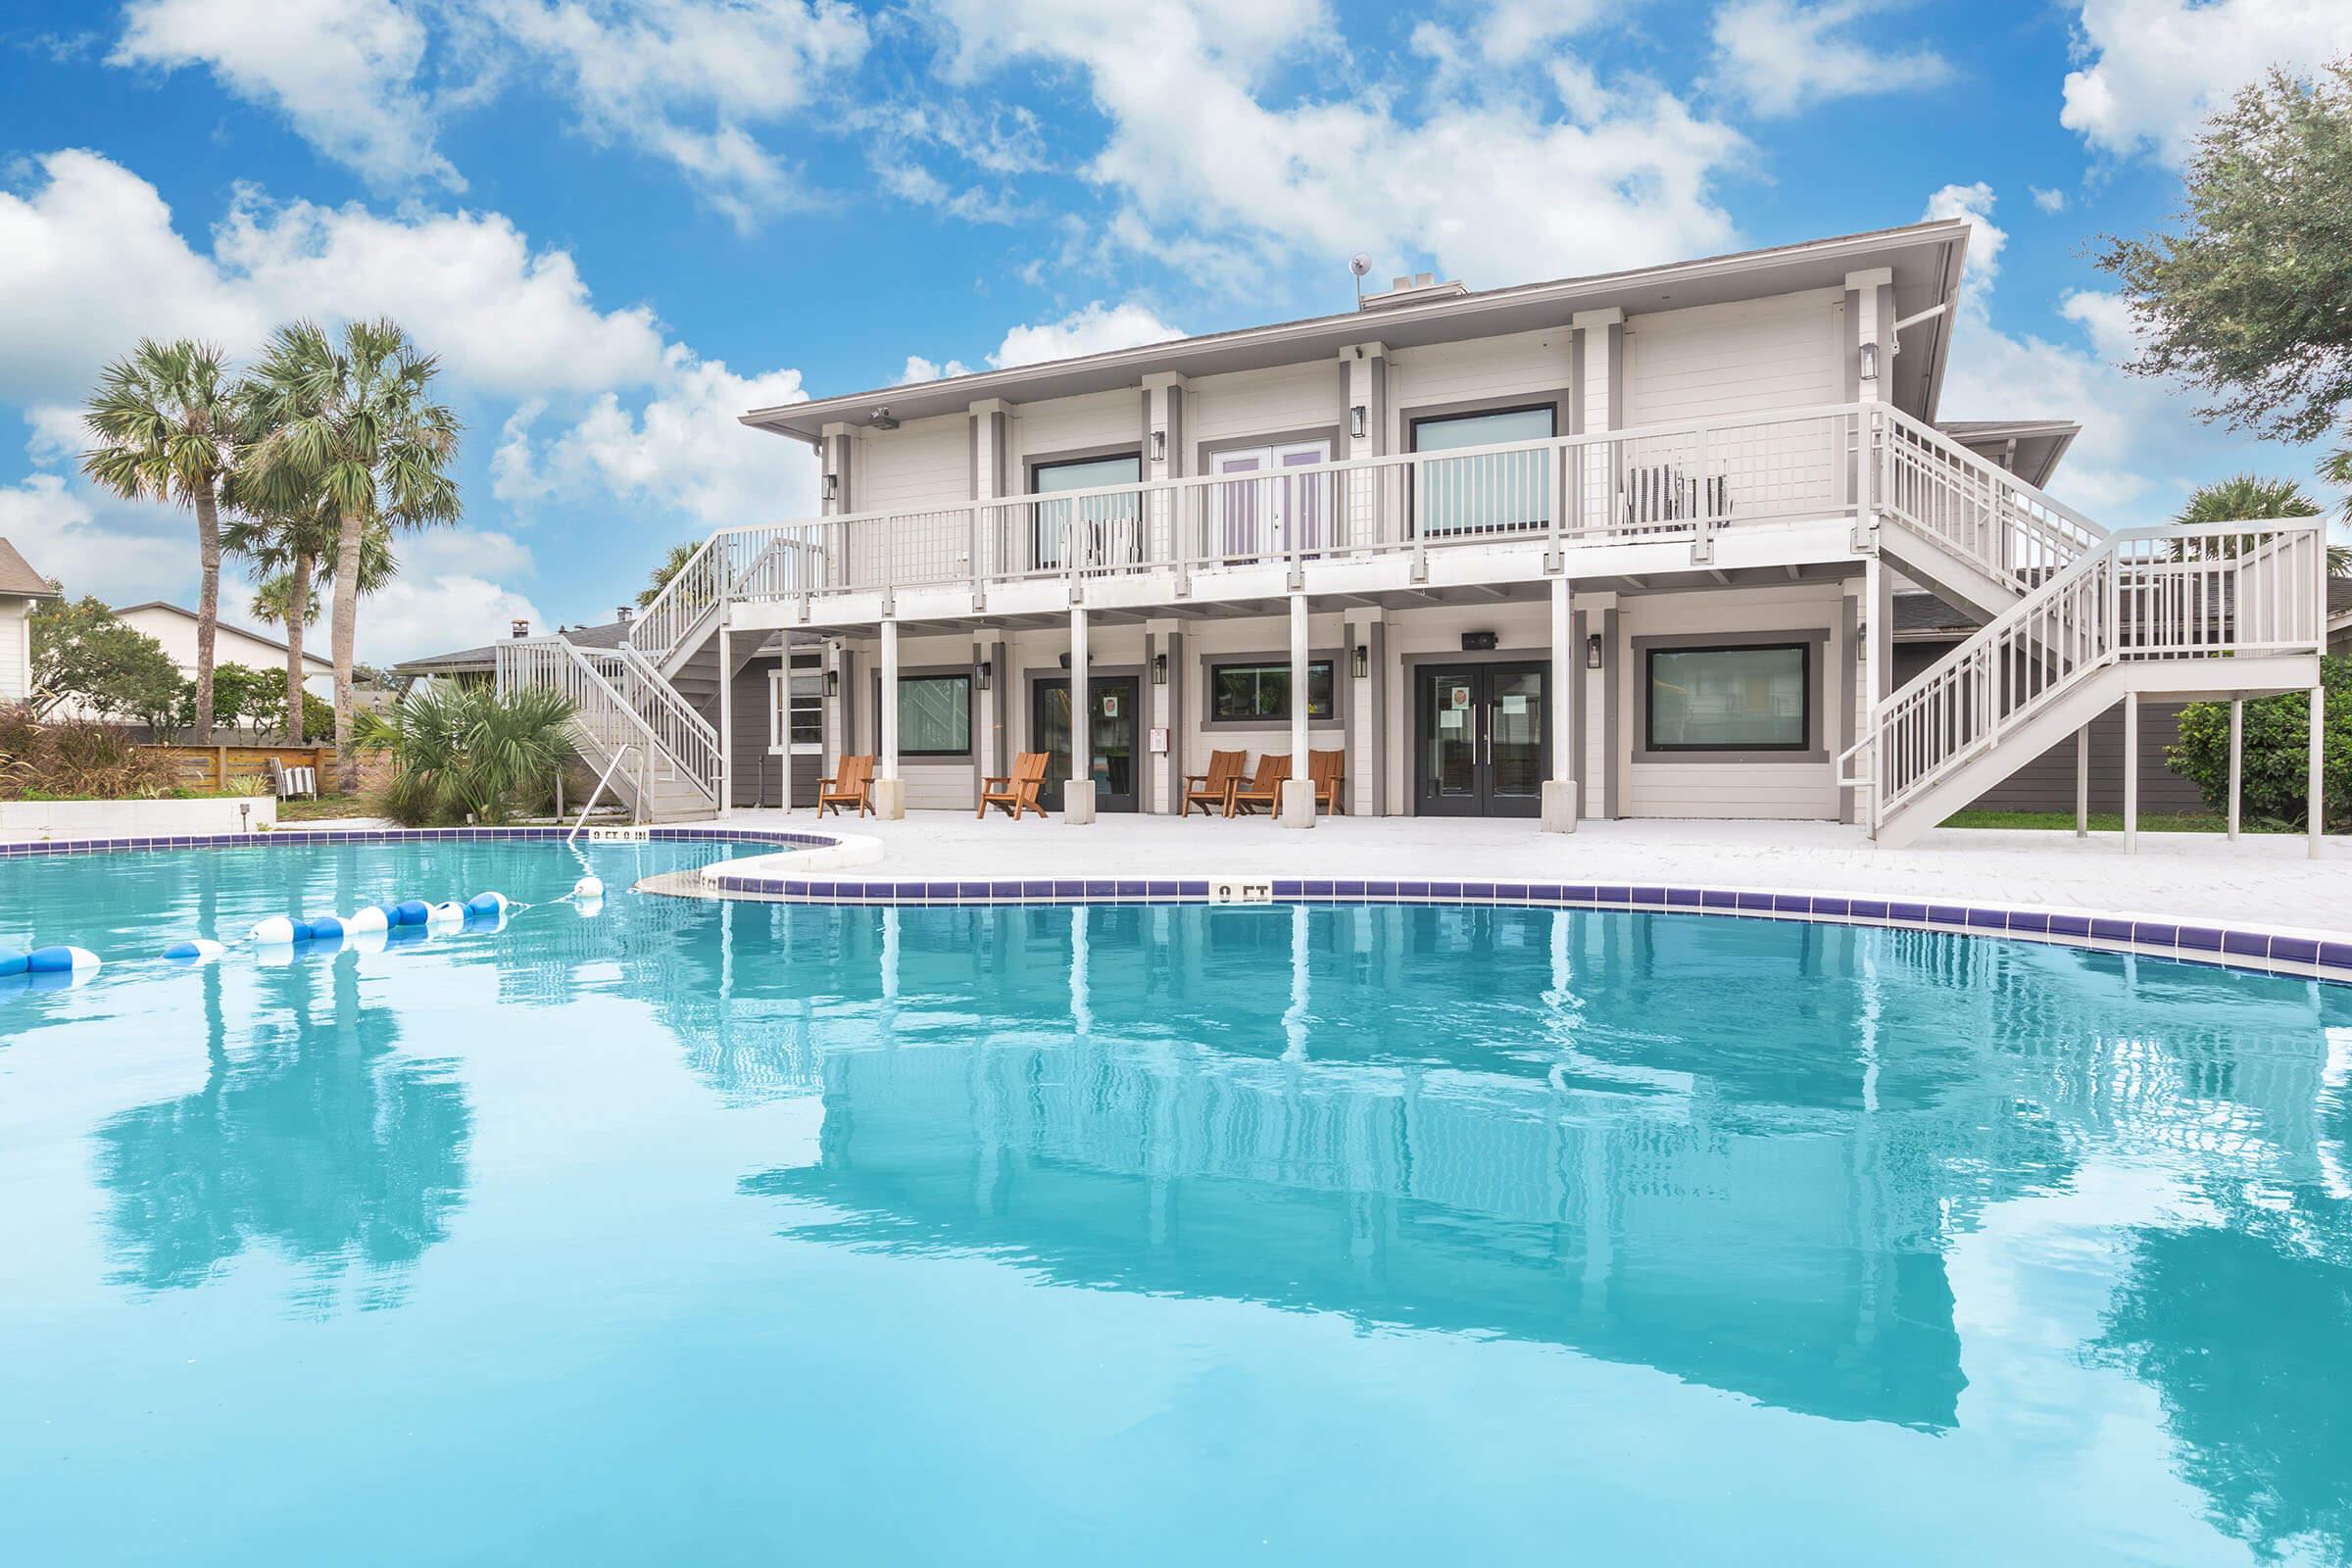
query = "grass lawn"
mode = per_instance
[{"x": 2113, "y": 822}]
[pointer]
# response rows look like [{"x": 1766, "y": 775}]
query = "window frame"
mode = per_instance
[
  {"x": 914, "y": 677},
  {"x": 1032, "y": 467},
  {"x": 1212, "y": 664},
  {"x": 1806, "y": 748},
  {"x": 1557, "y": 404}
]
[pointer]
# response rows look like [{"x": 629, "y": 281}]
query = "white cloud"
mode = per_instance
[
  {"x": 94, "y": 546},
  {"x": 1489, "y": 179},
  {"x": 447, "y": 595},
  {"x": 1095, "y": 330},
  {"x": 1511, "y": 29},
  {"x": 343, "y": 71},
  {"x": 2153, "y": 69},
  {"x": 689, "y": 81},
  {"x": 1783, "y": 56},
  {"x": 2049, "y": 201},
  {"x": 683, "y": 450},
  {"x": 92, "y": 234},
  {"x": 919, "y": 369},
  {"x": 2141, "y": 449}
]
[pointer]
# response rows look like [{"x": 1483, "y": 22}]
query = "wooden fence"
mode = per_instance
[{"x": 242, "y": 770}]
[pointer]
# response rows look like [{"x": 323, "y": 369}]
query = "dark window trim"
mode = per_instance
[
  {"x": 1559, "y": 404},
  {"x": 1806, "y": 748},
  {"x": 969, "y": 725},
  {"x": 1210, "y": 663}
]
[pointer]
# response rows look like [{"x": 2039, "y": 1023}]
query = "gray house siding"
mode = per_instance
[
  {"x": 2047, "y": 782},
  {"x": 760, "y": 775}
]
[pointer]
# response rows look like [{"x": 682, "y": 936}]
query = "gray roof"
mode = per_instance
[
  {"x": 19, "y": 579},
  {"x": 470, "y": 660},
  {"x": 2029, "y": 447}
]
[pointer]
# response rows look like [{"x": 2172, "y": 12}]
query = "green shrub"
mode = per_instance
[
  {"x": 460, "y": 750},
  {"x": 2277, "y": 752}
]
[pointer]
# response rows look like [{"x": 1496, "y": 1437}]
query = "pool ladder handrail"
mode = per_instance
[{"x": 597, "y": 793}]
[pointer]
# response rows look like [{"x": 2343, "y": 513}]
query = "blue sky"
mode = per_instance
[{"x": 623, "y": 222}]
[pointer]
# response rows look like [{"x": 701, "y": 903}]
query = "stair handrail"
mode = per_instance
[
  {"x": 597, "y": 707},
  {"x": 689, "y": 739},
  {"x": 710, "y": 579},
  {"x": 2075, "y": 622},
  {"x": 2020, "y": 505}
]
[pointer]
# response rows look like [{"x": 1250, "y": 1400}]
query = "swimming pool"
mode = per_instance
[{"x": 700, "y": 1230}]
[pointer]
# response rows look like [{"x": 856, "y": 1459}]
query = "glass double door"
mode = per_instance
[
  {"x": 1116, "y": 702},
  {"x": 1480, "y": 747}
]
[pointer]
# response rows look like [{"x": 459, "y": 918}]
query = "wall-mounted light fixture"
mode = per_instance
[
  {"x": 1359, "y": 420},
  {"x": 1159, "y": 446},
  {"x": 982, "y": 675},
  {"x": 1159, "y": 670},
  {"x": 829, "y": 488},
  {"x": 832, "y": 683},
  {"x": 1592, "y": 651},
  {"x": 1363, "y": 661},
  {"x": 1869, "y": 361}
]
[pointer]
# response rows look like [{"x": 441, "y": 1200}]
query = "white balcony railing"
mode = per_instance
[
  {"x": 1658, "y": 484},
  {"x": 617, "y": 702}
]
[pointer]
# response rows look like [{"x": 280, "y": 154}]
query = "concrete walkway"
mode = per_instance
[{"x": 2265, "y": 880}]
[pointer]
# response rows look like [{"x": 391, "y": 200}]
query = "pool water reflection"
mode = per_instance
[{"x": 701, "y": 1232}]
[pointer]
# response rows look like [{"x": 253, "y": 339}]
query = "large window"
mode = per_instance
[
  {"x": 1499, "y": 492},
  {"x": 1247, "y": 694},
  {"x": 935, "y": 715},
  {"x": 1754, "y": 699},
  {"x": 1097, "y": 529}
]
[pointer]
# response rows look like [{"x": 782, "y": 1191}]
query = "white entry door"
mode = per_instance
[{"x": 1261, "y": 510}]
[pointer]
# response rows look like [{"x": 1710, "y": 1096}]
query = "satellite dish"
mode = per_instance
[{"x": 1360, "y": 264}]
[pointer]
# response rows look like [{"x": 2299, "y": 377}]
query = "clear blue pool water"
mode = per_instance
[{"x": 709, "y": 1233}]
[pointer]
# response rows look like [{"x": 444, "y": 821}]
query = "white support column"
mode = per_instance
[
  {"x": 726, "y": 722},
  {"x": 1297, "y": 802},
  {"x": 890, "y": 791},
  {"x": 1559, "y": 790},
  {"x": 1078, "y": 794},
  {"x": 2082, "y": 782},
  {"x": 2130, "y": 772},
  {"x": 2318, "y": 783},
  {"x": 2237, "y": 760}
]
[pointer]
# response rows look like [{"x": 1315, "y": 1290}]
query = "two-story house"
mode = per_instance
[{"x": 1616, "y": 546}]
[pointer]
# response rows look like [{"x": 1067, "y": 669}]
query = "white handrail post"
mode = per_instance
[
  {"x": 2237, "y": 760},
  {"x": 2317, "y": 783}
]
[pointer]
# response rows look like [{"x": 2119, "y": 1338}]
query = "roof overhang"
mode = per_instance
[
  {"x": 2028, "y": 448},
  {"x": 1925, "y": 260}
]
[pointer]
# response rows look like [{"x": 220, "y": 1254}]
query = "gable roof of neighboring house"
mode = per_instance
[
  {"x": 18, "y": 579},
  {"x": 263, "y": 638},
  {"x": 2028, "y": 448},
  {"x": 1924, "y": 258}
]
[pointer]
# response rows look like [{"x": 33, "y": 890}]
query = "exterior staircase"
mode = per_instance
[{"x": 629, "y": 719}]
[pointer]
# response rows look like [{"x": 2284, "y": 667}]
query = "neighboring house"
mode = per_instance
[
  {"x": 774, "y": 718},
  {"x": 20, "y": 588},
  {"x": 1615, "y": 546},
  {"x": 175, "y": 628}
]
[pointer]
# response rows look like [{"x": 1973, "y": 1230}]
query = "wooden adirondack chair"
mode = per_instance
[
  {"x": 1016, "y": 792},
  {"x": 852, "y": 784},
  {"x": 1262, "y": 793},
  {"x": 1327, "y": 770},
  {"x": 1209, "y": 791}
]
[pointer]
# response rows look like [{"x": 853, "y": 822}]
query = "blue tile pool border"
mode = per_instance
[{"x": 2215, "y": 947}]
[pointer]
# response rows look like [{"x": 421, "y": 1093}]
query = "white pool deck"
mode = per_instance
[{"x": 2265, "y": 880}]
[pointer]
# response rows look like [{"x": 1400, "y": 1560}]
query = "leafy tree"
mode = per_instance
[
  {"x": 2248, "y": 299},
  {"x": 458, "y": 750},
  {"x": 671, "y": 565},
  {"x": 167, "y": 421},
  {"x": 290, "y": 534},
  {"x": 349, "y": 418},
  {"x": 83, "y": 653},
  {"x": 2277, "y": 752}
]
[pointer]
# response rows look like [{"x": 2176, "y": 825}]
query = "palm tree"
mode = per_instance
[
  {"x": 461, "y": 752},
  {"x": 671, "y": 565},
  {"x": 291, "y": 542},
  {"x": 351, "y": 418},
  {"x": 167, "y": 422},
  {"x": 2251, "y": 498},
  {"x": 2337, "y": 468}
]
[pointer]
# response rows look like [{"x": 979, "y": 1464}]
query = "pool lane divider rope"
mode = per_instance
[{"x": 366, "y": 929}]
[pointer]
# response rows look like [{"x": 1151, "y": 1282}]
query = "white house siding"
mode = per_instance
[
  {"x": 1702, "y": 786},
  {"x": 15, "y": 649},
  {"x": 230, "y": 646},
  {"x": 922, "y": 464},
  {"x": 1486, "y": 369},
  {"x": 1223, "y": 409},
  {"x": 1747, "y": 357},
  {"x": 1074, "y": 424}
]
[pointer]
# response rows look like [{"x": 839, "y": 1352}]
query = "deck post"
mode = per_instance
[
  {"x": 2237, "y": 760},
  {"x": 1298, "y": 796},
  {"x": 890, "y": 791},
  {"x": 2317, "y": 781},
  {"x": 1078, "y": 795},
  {"x": 1559, "y": 790},
  {"x": 2130, "y": 772},
  {"x": 2082, "y": 782},
  {"x": 726, "y": 723}
]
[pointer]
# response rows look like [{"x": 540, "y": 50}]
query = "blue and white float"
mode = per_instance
[
  {"x": 365, "y": 918},
  {"x": 278, "y": 931},
  {"x": 11, "y": 962},
  {"x": 486, "y": 903},
  {"x": 75, "y": 961},
  {"x": 445, "y": 915},
  {"x": 412, "y": 912},
  {"x": 193, "y": 949},
  {"x": 588, "y": 887}
]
